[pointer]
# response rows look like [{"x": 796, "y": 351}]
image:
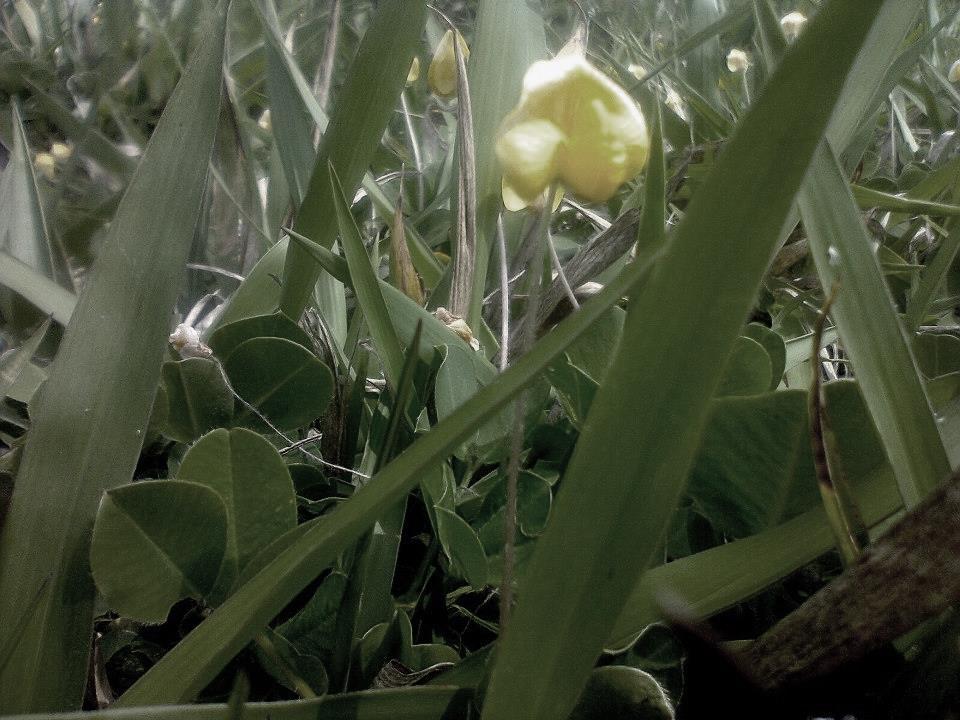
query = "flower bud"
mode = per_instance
[
  {"x": 442, "y": 73},
  {"x": 573, "y": 125},
  {"x": 413, "y": 74},
  {"x": 954, "y": 75},
  {"x": 792, "y": 24},
  {"x": 737, "y": 61},
  {"x": 186, "y": 340}
]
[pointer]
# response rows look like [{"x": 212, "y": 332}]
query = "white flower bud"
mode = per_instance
[
  {"x": 737, "y": 61},
  {"x": 792, "y": 25}
]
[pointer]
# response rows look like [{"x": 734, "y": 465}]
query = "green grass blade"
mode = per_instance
[
  {"x": 411, "y": 703},
  {"x": 367, "y": 287},
  {"x": 869, "y": 198},
  {"x": 870, "y": 329},
  {"x": 40, "y": 290},
  {"x": 930, "y": 280},
  {"x": 186, "y": 669},
  {"x": 631, "y": 461},
  {"x": 90, "y": 421},
  {"x": 721, "y": 577},
  {"x": 376, "y": 79},
  {"x": 509, "y": 37}
]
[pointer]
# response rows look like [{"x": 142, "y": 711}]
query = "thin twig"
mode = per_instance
[
  {"x": 504, "y": 294},
  {"x": 842, "y": 516},
  {"x": 555, "y": 259}
]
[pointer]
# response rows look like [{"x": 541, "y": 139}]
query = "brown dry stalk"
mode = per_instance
[{"x": 909, "y": 575}]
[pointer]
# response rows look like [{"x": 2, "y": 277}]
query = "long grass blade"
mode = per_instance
[{"x": 90, "y": 421}]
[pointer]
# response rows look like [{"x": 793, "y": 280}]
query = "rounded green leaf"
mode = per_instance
[
  {"x": 284, "y": 381},
  {"x": 249, "y": 475},
  {"x": 463, "y": 547},
  {"x": 748, "y": 369},
  {"x": 198, "y": 398},
  {"x": 228, "y": 337},
  {"x": 775, "y": 347},
  {"x": 157, "y": 542}
]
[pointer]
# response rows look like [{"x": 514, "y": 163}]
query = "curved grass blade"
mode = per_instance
[
  {"x": 376, "y": 79},
  {"x": 631, "y": 461},
  {"x": 90, "y": 420},
  {"x": 366, "y": 285},
  {"x": 40, "y": 290},
  {"x": 871, "y": 331}
]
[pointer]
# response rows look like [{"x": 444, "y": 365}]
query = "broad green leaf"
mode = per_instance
[
  {"x": 312, "y": 630},
  {"x": 366, "y": 103},
  {"x": 463, "y": 547},
  {"x": 721, "y": 577},
  {"x": 198, "y": 399},
  {"x": 249, "y": 475},
  {"x": 157, "y": 542},
  {"x": 748, "y": 369},
  {"x": 936, "y": 354},
  {"x": 592, "y": 352},
  {"x": 412, "y": 703},
  {"x": 754, "y": 466},
  {"x": 95, "y": 405},
  {"x": 302, "y": 554},
  {"x": 575, "y": 390},
  {"x": 641, "y": 443},
  {"x": 282, "y": 380},
  {"x": 225, "y": 339},
  {"x": 366, "y": 286},
  {"x": 872, "y": 334}
]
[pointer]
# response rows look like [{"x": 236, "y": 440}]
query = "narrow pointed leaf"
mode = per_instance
[{"x": 90, "y": 421}]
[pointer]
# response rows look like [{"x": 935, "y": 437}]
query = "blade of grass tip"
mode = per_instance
[
  {"x": 89, "y": 423},
  {"x": 508, "y": 38},
  {"x": 187, "y": 669},
  {"x": 23, "y": 227},
  {"x": 41, "y": 291},
  {"x": 367, "y": 286},
  {"x": 640, "y": 443},
  {"x": 377, "y": 76},
  {"x": 869, "y": 198},
  {"x": 12, "y": 363},
  {"x": 464, "y": 257}
]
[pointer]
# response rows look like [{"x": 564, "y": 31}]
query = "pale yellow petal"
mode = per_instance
[
  {"x": 442, "y": 73},
  {"x": 528, "y": 154}
]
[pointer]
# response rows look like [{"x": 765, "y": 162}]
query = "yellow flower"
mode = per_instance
[
  {"x": 573, "y": 125},
  {"x": 954, "y": 75},
  {"x": 737, "y": 61},
  {"x": 414, "y": 72},
  {"x": 792, "y": 24},
  {"x": 515, "y": 203},
  {"x": 442, "y": 74}
]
